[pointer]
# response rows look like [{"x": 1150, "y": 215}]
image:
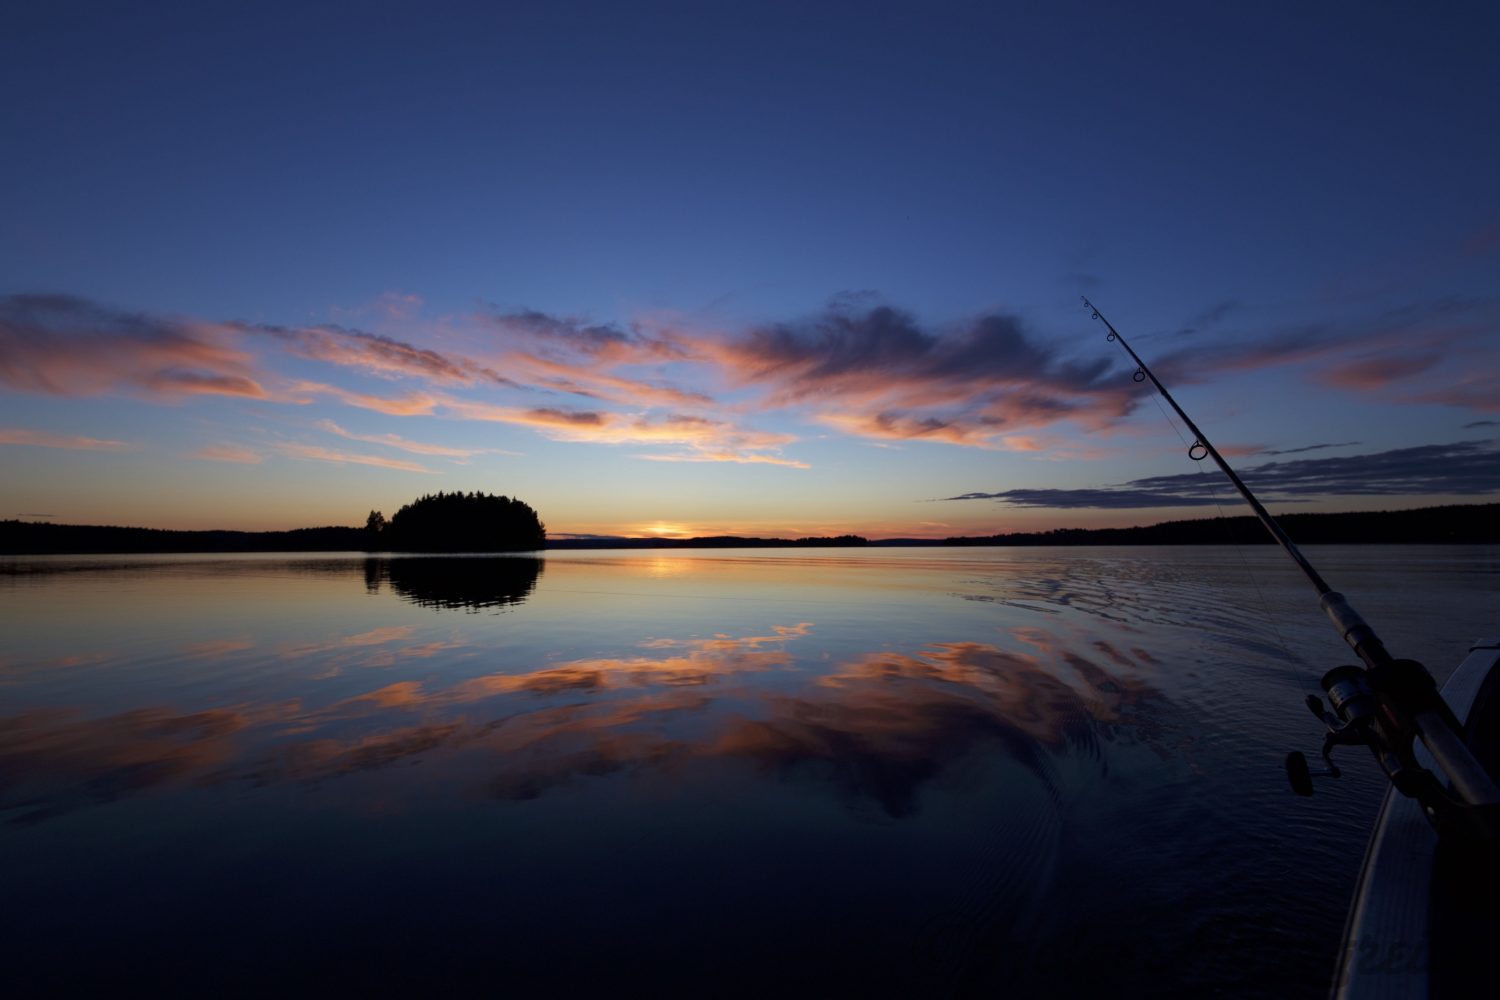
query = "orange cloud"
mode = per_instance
[
  {"x": 393, "y": 441},
  {"x": 705, "y": 439},
  {"x": 409, "y": 404},
  {"x": 46, "y": 439},
  {"x": 317, "y": 454}
]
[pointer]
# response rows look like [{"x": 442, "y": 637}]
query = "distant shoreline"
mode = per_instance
[{"x": 1477, "y": 524}]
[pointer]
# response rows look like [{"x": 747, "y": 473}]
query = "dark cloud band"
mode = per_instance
[{"x": 1463, "y": 468}]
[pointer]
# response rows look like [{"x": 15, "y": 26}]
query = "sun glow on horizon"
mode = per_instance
[{"x": 663, "y": 529}]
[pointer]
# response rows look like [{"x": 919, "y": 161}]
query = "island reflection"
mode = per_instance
[{"x": 461, "y": 583}]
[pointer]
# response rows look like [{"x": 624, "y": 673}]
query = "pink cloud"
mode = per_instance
[
  {"x": 67, "y": 346},
  {"x": 1377, "y": 372},
  {"x": 47, "y": 439},
  {"x": 878, "y": 373},
  {"x": 379, "y": 355},
  {"x": 903, "y": 427},
  {"x": 571, "y": 377}
]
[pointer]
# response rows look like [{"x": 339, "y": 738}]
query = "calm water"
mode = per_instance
[{"x": 918, "y": 771}]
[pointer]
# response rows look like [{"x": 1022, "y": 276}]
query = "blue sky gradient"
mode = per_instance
[{"x": 683, "y": 268}]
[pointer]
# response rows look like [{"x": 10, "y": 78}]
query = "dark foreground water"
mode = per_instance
[{"x": 918, "y": 772}]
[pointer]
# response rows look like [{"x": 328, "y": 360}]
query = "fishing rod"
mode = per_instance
[{"x": 1387, "y": 704}]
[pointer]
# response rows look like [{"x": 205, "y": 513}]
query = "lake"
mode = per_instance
[{"x": 885, "y": 771}]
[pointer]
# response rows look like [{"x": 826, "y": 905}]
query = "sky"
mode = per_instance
[{"x": 762, "y": 269}]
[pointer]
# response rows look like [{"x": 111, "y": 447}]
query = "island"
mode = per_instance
[
  {"x": 457, "y": 522},
  {"x": 476, "y": 522}
]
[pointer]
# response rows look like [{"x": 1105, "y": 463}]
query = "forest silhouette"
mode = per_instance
[
  {"x": 457, "y": 522},
  {"x": 519, "y": 530}
]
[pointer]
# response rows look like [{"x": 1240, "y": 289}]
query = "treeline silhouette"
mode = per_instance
[
  {"x": 1477, "y": 524},
  {"x": 457, "y": 522},
  {"x": 42, "y": 538}
]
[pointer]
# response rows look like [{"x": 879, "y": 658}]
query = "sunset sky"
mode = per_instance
[{"x": 774, "y": 269}]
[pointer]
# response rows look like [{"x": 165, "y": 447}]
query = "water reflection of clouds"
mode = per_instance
[
  {"x": 378, "y": 647},
  {"x": 875, "y": 728},
  {"x": 217, "y": 649},
  {"x": 54, "y": 762},
  {"x": 373, "y": 637}
]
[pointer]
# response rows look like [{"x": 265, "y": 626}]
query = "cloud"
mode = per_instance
[
  {"x": 581, "y": 380},
  {"x": 726, "y": 456},
  {"x": 1110, "y": 497},
  {"x": 1475, "y": 392},
  {"x": 1481, "y": 423},
  {"x": 411, "y": 404},
  {"x": 228, "y": 453},
  {"x": 1378, "y": 372},
  {"x": 702, "y": 438},
  {"x": 1309, "y": 447},
  {"x": 47, "y": 439},
  {"x": 859, "y": 368},
  {"x": 317, "y": 454},
  {"x": 565, "y": 354},
  {"x": 379, "y": 355},
  {"x": 867, "y": 370},
  {"x": 1364, "y": 353},
  {"x": 67, "y": 346},
  {"x": 895, "y": 426},
  {"x": 400, "y": 443},
  {"x": 878, "y": 373},
  {"x": 568, "y": 336},
  {"x": 1215, "y": 313},
  {"x": 1463, "y": 468}
]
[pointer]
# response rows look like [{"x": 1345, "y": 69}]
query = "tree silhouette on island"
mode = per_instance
[
  {"x": 457, "y": 522},
  {"x": 1466, "y": 524}
]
